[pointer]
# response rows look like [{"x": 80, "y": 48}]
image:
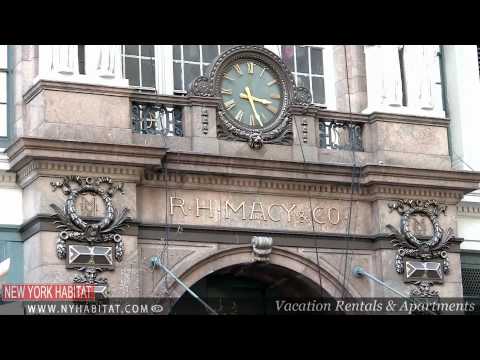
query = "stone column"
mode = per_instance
[{"x": 357, "y": 87}]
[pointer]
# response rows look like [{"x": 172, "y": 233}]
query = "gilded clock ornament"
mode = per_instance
[{"x": 255, "y": 90}]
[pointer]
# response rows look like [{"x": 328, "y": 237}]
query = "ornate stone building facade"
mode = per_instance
[{"x": 304, "y": 212}]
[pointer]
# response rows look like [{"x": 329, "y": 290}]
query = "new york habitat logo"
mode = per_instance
[{"x": 47, "y": 292}]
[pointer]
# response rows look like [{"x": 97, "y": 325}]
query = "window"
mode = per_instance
[
  {"x": 306, "y": 64},
  {"x": 3, "y": 93},
  {"x": 139, "y": 65},
  {"x": 170, "y": 69},
  {"x": 190, "y": 61}
]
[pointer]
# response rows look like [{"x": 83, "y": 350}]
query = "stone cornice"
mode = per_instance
[
  {"x": 453, "y": 179},
  {"x": 460, "y": 181},
  {"x": 134, "y": 94},
  {"x": 32, "y": 157},
  {"x": 26, "y": 149},
  {"x": 408, "y": 119}
]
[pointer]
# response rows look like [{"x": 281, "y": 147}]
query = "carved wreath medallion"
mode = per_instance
[
  {"x": 415, "y": 255},
  {"x": 75, "y": 230}
]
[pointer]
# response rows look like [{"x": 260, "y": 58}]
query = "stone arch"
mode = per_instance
[{"x": 243, "y": 254}]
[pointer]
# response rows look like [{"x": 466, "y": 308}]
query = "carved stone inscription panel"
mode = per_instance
[{"x": 256, "y": 211}]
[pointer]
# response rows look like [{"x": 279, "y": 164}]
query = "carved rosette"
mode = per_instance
[
  {"x": 280, "y": 131},
  {"x": 421, "y": 258},
  {"x": 301, "y": 96},
  {"x": 73, "y": 229},
  {"x": 201, "y": 86}
]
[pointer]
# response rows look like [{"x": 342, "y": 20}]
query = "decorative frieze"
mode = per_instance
[
  {"x": 468, "y": 209},
  {"x": 55, "y": 168},
  {"x": 7, "y": 178},
  {"x": 295, "y": 187}
]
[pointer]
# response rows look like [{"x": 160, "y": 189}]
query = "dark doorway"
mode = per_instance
[{"x": 248, "y": 289}]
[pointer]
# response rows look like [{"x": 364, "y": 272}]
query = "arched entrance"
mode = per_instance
[{"x": 249, "y": 288}]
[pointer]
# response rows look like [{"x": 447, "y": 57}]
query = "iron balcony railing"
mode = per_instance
[
  {"x": 340, "y": 135},
  {"x": 165, "y": 117},
  {"x": 157, "y": 119}
]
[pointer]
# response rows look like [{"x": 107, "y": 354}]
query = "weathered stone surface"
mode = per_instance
[
  {"x": 87, "y": 109},
  {"x": 251, "y": 211},
  {"x": 354, "y": 96},
  {"x": 409, "y": 138},
  {"x": 225, "y": 184}
]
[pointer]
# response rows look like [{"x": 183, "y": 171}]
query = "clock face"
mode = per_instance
[{"x": 251, "y": 94}]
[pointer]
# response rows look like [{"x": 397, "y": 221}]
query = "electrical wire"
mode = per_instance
[
  {"x": 164, "y": 252},
  {"x": 463, "y": 161},
  {"x": 311, "y": 214},
  {"x": 355, "y": 175}
]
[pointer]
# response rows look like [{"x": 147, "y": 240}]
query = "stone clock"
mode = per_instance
[{"x": 255, "y": 90}]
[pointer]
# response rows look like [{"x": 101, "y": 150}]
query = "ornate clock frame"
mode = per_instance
[{"x": 280, "y": 130}]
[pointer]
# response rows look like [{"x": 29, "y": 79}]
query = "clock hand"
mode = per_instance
[
  {"x": 261, "y": 101},
  {"x": 250, "y": 99}
]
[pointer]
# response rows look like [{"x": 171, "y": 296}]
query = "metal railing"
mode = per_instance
[
  {"x": 165, "y": 117},
  {"x": 157, "y": 119},
  {"x": 340, "y": 135}
]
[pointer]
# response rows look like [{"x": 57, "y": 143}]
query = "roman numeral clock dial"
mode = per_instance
[{"x": 251, "y": 94}]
